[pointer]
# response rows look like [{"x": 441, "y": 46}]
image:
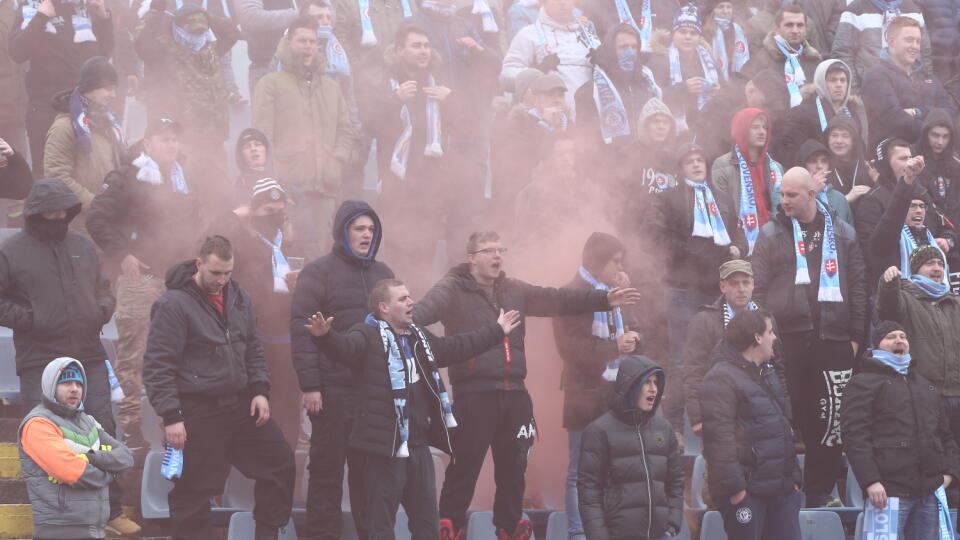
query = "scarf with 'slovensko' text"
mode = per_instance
[{"x": 829, "y": 287}]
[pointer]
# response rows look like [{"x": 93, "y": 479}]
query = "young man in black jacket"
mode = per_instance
[
  {"x": 337, "y": 284},
  {"x": 493, "y": 405},
  {"x": 810, "y": 273},
  {"x": 897, "y": 435},
  {"x": 646, "y": 478},
  {"x": 403, "y": 407},
  {"x": 745, "y": 406},
  {"x": 206, "y": 377}
]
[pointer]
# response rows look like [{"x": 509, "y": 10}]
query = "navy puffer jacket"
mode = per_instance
[{"x": 942, "y": 18}]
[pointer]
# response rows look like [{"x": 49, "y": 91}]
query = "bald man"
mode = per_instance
[{"x": 810, "y": 273}]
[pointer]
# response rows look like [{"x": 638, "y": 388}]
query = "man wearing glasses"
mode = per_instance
[{"x": 492, "y": 405}]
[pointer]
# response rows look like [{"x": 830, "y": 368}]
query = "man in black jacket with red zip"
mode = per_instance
[{"x": 493, "y": 407}]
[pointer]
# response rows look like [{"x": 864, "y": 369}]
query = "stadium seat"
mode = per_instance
[
  {"x": 858, "y": 532},
  {"x": 692, "y": 443},
  {"x": 557, "y": 526},
  {"x": 154, "y": 488},
  {"x": 697, "y": 481},
  {"x": 480, "y": 526},
  {"x": 348, "y": 529},
  {"x": 238, "y": 491},
  {"x": 820, "y": 525},
  {"x": 711, "y": 528},
  {"x": 242, "y": 527},
  {"x": 854, "y": 491},
  {"x": 150, "y": 425},
  {"x": 9, "y": 381}
]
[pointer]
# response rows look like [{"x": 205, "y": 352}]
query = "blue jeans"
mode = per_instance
[
  {"x": 919, "y": 518},
  {"x": 572, "y": 501}
]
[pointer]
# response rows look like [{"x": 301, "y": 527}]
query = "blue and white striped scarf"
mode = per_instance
[
  {"x": 823, "y": 117},
  {"x": 368, "y": 37},
  {"x": 748, "y": 199},
  {"x": 676, "y": 77},
  {"x": 792, "y": 70},
  {"x": 645, "y": 28},
  {"x": 82, "y": 25},
  {"x": 613, "y": 114},
  {"x": 602, "y": 321},
  {"x": 80, "y": 120},
  {"x": 728, "y": 313},
  {"x": 707, "y": 222},
  {"x": 278, "y": 262},
  {"x": 908, "y": 243},
  {"x": 337, "y": 61},
  {"x": 741, "y": 51},
  {"x": 829, "y": 289},
  {"x": 487, "y": 20},
  {"x": 401, "y": 149},
  {"x": 398, "y": 378},
  {"x": 150, "y": 173}
]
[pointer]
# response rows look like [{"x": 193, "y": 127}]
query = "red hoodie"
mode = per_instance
[{"x": 740, "y": 133}]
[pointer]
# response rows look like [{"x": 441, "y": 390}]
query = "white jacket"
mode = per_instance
[{"x": 566, "y": 40}]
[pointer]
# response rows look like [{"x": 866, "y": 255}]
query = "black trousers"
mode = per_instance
[
  {"x": 762, "y": 518},
  {"x": 39, "y": 118},
  {"x": 500, "y": 420},
  {"x": 817, "y": 372},
  {"x": 328, "y": 455},
  {"x": 96, "y": 403},
  {"x": 221, "y": 433},
  {"x": 411, "y": 481}
]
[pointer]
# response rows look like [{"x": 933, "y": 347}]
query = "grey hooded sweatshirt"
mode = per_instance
[{"x": 65, "y": 504}]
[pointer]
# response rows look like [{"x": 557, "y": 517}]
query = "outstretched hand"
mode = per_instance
[
  {"x": 317, "y": 325},
  {"x": 509, "y": 320},
  {"x": 623, "y": 297}
]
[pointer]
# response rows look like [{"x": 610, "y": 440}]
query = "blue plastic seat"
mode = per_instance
[
  {"x": 242, "y": 527},
  {"x": 480, "y": 526},
  {"x": 154, "y": 488}
]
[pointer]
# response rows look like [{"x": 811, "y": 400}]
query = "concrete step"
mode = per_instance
[
  {"x": 9, "y": 461},
  {"x": 16, "y": 521},
  {"x": 13, "y": 491}
]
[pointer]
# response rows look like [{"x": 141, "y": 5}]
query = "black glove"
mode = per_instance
[
  {"x": 549, "y": 63},
  {"x": 158, "y": 5}
]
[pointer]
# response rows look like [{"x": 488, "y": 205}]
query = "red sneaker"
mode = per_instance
[
  {"x": 449, "y": 532},
  {"x": 523, "y": 531}
]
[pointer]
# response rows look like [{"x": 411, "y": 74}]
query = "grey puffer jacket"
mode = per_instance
[
  {"x": 78, "y": 509},
  {"x": 747, "y": 438},
  {"x": 631, "y": 476}
]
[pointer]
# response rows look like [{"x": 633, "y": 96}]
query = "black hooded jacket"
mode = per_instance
[
  {"x": 630, "y": 482},
  {"x": 941, "y": 172},
  {"x": 53, "y": 293},
  {"x": 633, "y": 88},
  {"x": 896, "y": 431},
  {"x": 194, "y": 351},
  {"x": 747, "y": 436},
  {"x": 461, "y": 304},
  {"x": 337, "y": 285},
  {"x": 849, "y": 172}
]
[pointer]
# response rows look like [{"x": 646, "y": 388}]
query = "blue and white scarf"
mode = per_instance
[
  {"x": 890, "y": 10},
  {"x": 368, "y": 37},
  {"x": 279, "y": 263},
  {"x": 645, "y": 28},
  {"x": 929, "y": 287},
  {"x": 80, "y": 120},
  {"x": 792, "y": 70},
  {"x": 741, "y": 51},
  {"x": 488, "y": 21},
  {"x": 709, "y": 74},
  {"x": 946, "y": 526},
  {"x": 729, "y": 314},
  {"x": 397, "y": 367},
  {"x": 829, "y": 290},
  {"x": 748, "y": 199},
  {"x": 542, "y": 122},
  {"x": 82, "y": 25},
  {"x": 602, "y": 321},
  {"x": 908, "y": 243},
  {"x": 613, "y": 114},
  {"x": 900, "y": 363},
  {"x": 192, "y": 41},
  {"x": 823, "y": 117},
  {"x": 707, "y": 222},
  {"x": 401, "y": 149},
  {"x": 150, "y": 173},
  {"x": 337, "y": 61}
]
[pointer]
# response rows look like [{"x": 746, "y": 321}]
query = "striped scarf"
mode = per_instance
[
  {"x": 707, "y": 222},
  {"x": 829, "y": 287},
  {"x": 676, "y": 77},
  {"x": 741, "y": 52},
  {"x": 367, "y": 36},
  {"x": 397, "y": 365},
  {"x": 823, "y": 117},
  {"x": 748, "y": 198},
  {"x": 728, "y": 313},
  {"x": 279, "y": 262},
  {"x": 602, "y": 321},
  {"x": 792, "y": 70},
  {"x": 80, "y": 109},
  {"x": 645, "y": 28},
  {"x": 401, "y": 149},
  {"x": 908, "y": 243}
]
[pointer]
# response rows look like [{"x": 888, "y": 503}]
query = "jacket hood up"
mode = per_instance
[
  {"x": 257, "y": 135},
  {"x": 844, "y": 121},
  {"x": 808, "y": 149},
  {"x": 181, "y": 275},
  {"x": 349, "y": 211},
  {"x": 51, "y": 195},
  {"x": 635, "y": 370},
  {"x": 740, "y": 130},
  {"x": 48, "y": 386},
  {"x": 820, "y": 81},
  {"x": 937, "y": 117},
  {"x": 605, "y": 56}
]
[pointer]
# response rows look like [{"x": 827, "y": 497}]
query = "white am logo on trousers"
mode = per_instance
[{"x": 527, "y": 431}]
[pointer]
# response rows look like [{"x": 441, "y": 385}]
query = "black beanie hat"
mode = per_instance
[
  {"x": 884, "y": 328},
  {"x": 97, "y": 73},
  {"x": 921, "y": 255},
  {"x": 599, "y": 249}
]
